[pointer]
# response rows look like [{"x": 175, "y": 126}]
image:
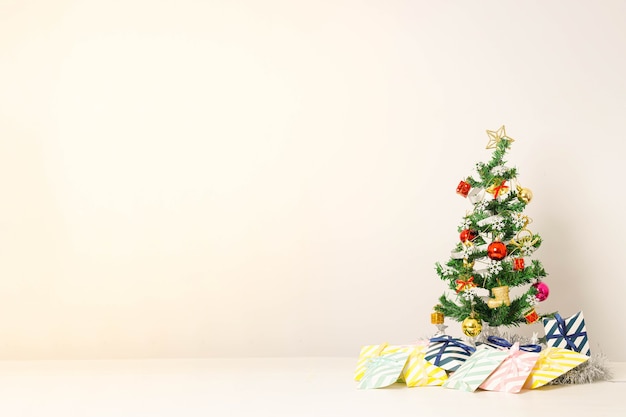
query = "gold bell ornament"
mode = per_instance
[{"x": 471, "y": 326}]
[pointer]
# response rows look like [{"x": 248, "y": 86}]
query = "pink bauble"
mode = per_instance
[{"x": 542, "y": 291}]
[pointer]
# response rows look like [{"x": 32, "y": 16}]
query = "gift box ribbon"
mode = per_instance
[
  {"x": 517, "y": 364},
  {"x": 385, "y": 360},
  {"x": 554, "y": 360},
  {"x": 511, "y": 375},
  {"x": 568, "y": 338},
  {"x": 447, "y": 340},
  {"x": 498, "y": 341}
]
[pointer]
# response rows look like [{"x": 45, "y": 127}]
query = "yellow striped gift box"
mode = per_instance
[
  {"x": 418, "y": 372},
  {"x": 371, "y": 351},
  {"x": 553, "y": 362}
]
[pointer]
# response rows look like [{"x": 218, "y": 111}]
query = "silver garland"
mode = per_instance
[{"x": 595, "y": 369}]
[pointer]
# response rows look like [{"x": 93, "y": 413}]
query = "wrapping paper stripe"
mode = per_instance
[
  {"x": 382, "y": 371},
  {"x": 370, "y": 351},
  {"x": 575, "y": 333},
  {"x": 446, "y": 355},
  {"x": 418, "y": 372},
  {"x": 553, "y": 362},
  {"x": 476, "y": 369},
  {"x": 512, "y": 373}
]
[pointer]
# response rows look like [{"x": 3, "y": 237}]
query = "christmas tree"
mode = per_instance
[{"x": 494, "y": 252}]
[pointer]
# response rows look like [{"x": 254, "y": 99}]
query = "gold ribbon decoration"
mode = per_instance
[{"x": 524, "y": 239}]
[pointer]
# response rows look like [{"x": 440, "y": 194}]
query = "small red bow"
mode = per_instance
[
  {"x": 464, "y": 285},
  {"x": 497, "y": 189}
]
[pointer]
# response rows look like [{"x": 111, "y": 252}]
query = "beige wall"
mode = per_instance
[{"x": 187, "y": 178}]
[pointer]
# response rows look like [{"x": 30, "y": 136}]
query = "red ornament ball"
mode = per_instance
[
  {"x": 518, "y": 264},
  {"x": 468, "y": 234},
  {"x": 542, "y": 291},
  {"x": 496, "y": 251}
]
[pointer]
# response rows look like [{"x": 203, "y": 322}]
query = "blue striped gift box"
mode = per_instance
[
  {"x": 447, "y": 352},
  {"x": 569, "y": 333}
]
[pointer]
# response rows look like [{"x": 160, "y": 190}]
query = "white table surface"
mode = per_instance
[{"x": 269, "y": 387}]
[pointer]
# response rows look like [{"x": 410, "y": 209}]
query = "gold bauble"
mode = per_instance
[
  {"x": 524, "y": 194},
  {"x": 471, "y": 327}
]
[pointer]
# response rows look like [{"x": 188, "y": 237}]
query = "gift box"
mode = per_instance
[
  {"x": 569, "y": 333},
  {"x": 418, "y": 372},
  {"x": 447, "y": 352},
  {"x": 370, "y": 351},
  {"x": 475, "y": 370},
  {"x": 552, "y": 363},
  {"x": 512, "y": 373},
  {"x": 384, "y": 370}
]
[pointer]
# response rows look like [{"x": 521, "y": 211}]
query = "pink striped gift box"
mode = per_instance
[{"x": 512, "y": 372}]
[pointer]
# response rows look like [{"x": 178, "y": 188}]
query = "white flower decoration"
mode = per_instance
[
  {"x": 469, "y": 294},
  {"x": 532, "y": 300},
  {"x": 527, "y": 249},
  {"x": 446, "y": 271},
  {"x": 467, "y": 250},
  {"x": 519, "y": 220},
  {"x": 499, "y": 170},
  {"x": 466, "y": 223},
  {"x": 498, "y": 224},
  {"x": 482, "y": 206},
  {"x": 494, "y": 267}
]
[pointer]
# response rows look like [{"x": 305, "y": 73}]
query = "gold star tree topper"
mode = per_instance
[{"x": 496, "y": 136}]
